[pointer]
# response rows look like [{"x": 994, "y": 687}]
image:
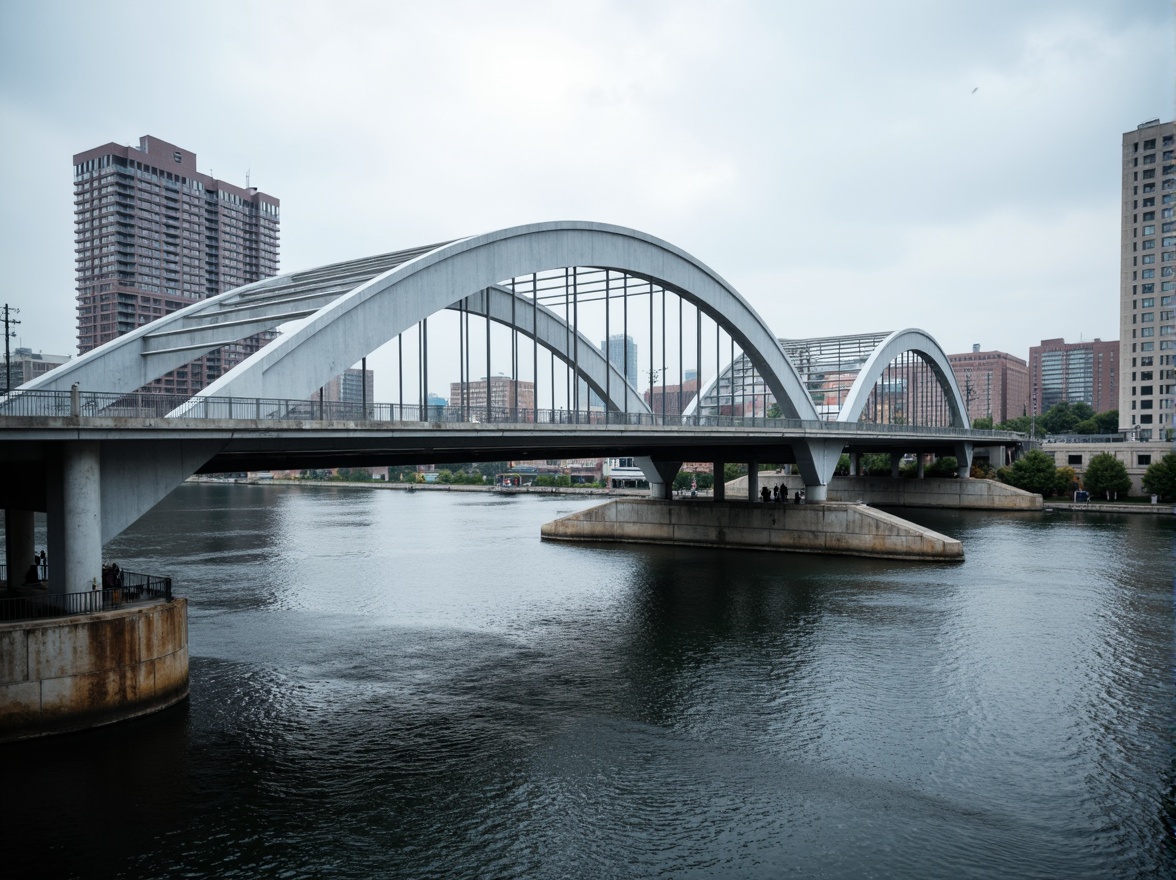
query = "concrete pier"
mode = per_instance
[
  {"x": 73, "y": 673},
  {"x": 831, "y": 528},
  {"x": 969, "y": 494}
]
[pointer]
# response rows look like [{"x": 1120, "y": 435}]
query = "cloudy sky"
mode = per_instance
[{"x": 851, "y": 166}]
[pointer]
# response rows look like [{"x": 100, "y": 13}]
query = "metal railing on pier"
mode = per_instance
[
  {"x": 35, "y": 603},
  {"x": 145, "y": 405}
]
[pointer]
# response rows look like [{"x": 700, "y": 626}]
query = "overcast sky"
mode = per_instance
[{"x": 851, "y": 166}]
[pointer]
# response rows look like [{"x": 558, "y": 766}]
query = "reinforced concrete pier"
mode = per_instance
[
  {"x": 832, "y": 528},
  {"x": 71, "y": 673}
]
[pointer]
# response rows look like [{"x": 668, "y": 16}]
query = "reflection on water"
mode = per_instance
[{"x": 392, "y": 684}]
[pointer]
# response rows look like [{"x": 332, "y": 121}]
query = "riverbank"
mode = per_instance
[
  {"x": 437, "y": 487},
  {"x": 1111, "y": 507}
]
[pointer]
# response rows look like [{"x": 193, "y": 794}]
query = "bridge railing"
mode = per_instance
[
  {"x": 135, "y": 589},
  {"x": 145, "y": 405}
]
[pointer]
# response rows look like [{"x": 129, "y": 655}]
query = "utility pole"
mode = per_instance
[{"x": 9, "y": 321}]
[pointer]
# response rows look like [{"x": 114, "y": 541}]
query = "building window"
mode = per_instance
[
  {"x": 1143, "y": 459},
  {"x": 1147, "y": 317},
  {"x": 1150, "y": 244},
  {"x": 1073, "y": 458}
]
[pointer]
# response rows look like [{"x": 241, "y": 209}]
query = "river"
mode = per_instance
[{"x": 393, "y": 684}]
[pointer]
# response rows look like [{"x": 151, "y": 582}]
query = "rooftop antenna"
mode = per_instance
[{"x": 247, "y": 170}]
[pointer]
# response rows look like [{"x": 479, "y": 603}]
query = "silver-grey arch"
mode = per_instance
[
  {"x": 350, "y": 309},
  {"x": 552, "y": 332},
  {"x": 345, "y": 330},
  {"x": 897, "y": 343},
  {"x": 148, "y": 352}
]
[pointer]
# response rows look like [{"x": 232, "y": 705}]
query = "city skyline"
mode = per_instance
[{"x": 987, "y": 145}]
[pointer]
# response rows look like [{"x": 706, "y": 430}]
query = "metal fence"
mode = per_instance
[
  {"x": 143, "y": 405},
  {"x": 135, "y": 589}
]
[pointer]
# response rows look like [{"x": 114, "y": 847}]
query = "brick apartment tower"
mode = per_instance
[
  {"x": 995, "y": 384},
  {"x": 153, "y": 235},
  {"x": 1073, "y": 372},
  {"x": 1147, "y": 280}
]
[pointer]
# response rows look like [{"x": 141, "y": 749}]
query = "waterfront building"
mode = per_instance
[
  {"x": 1147, "y": 280},
  {"x": 1072, "y": 372},
  {"x": 153, "y": 235},
  {"x": 24, "y": 365},
  {"x": 1076, "y": 451},
  {"x": 994, "y": 384},
  {"x": 504, "y": 394}
]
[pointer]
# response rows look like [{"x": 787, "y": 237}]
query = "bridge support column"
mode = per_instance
[
  {"x": 660, "y": 475},
  {"x": 895, "y": 465},
  {"x": 81, "y": 556},
  {"x": 921, "y": 465},
  {"x": 817, "y": 460},
  {"x": 997, "y": 457},
  {"x": 18, "y": 544},
  {"x": 753, "y": 481},
  {"x": 964, "y": 460},
  {"x": 719, "y": 486},
  {"x": 855, "y": 464}
]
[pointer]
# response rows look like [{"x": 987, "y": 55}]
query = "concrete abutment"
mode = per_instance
[
  {"x": 73, "y": 673},
  {"x": 831, "y": 528}
]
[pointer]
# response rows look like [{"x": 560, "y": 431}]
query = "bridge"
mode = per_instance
[{"x": 87, "y": 445}]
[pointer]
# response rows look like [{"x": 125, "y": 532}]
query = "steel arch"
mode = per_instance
[
  {"x": 350, "y": 309},
  {"x": 897, "y": 343},
  {"x": 340, "y": 333}
]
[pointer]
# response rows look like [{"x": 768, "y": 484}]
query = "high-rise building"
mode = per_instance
[
  {"x": 1147, "y": 280},
  {"x": 1073, "y": 372},
  {"x": 154, "y": 235},
  {"x": 26, "y": 365},
  {"x": 505, "y": 394},
  {"x": 673, "y": 400},
  {"x": 621, "y": 352},
  {"x": 994, "y": 384},
  {"x": 354, "y": 386}
]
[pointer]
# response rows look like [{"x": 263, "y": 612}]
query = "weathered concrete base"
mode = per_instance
[
  {"x": 73, "y": 673},
  {"x": 831, "y": 528},
  {"x": 970, "y": 494}
]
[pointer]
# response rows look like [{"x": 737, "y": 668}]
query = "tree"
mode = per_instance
[
  {"x": 1020, "y": 424},
  {"x": 774, "y": 411},
  {"x": 1160, "y": 478},
  {"x": 1059, "y": 419},
  {"x": 944, "y": 466},
  {"x": 983, "y": 423},
  {"x": 1106, "y": 475},
  {"x": 1033, "y": 472},
  {"x": 876, "y": 464},
  {"x": 842, "y": 468},
  {"x": 1087, "y": 426},
  {"x": 1067, "y": 480},
  {"x": 1108, "y": 422}
]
